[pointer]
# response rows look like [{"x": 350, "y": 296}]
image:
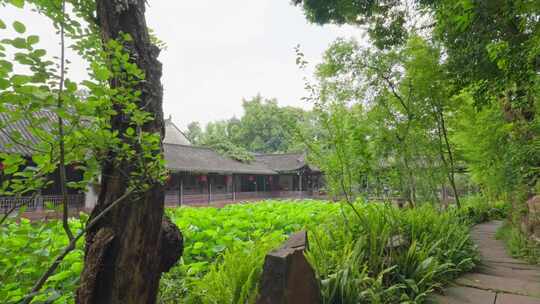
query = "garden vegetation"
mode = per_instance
[
  {"x": 443, "y": 100},
  {"x": 353, "y": 257}
]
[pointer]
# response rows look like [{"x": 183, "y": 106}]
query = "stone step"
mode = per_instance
[
  {"x": 500, "y": 284},
  {"x": 463, "y": 295},
  {"x": 504, "y": 298}
]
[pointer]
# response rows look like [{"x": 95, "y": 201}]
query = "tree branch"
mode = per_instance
[
  {"x": 71, "y": 245},
  {"x": 61, "y": 141}
]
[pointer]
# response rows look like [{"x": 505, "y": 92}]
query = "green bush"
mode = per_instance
[
  {"x": 356, "y": 264},
  {"x": 518, "y": 245},
  {"x": 477, "y": 209}
]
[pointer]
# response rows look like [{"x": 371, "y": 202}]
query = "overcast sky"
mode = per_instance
[{"x": 219, "y": 52}]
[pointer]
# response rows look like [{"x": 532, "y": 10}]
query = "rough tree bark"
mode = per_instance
[{"x": 129, "y": 248}]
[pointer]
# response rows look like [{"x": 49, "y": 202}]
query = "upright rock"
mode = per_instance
[
  {"x": 287, "y": 276},
  {"x": 531, "y": 221}
]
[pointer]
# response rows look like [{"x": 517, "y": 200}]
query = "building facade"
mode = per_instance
[{"x": 198, "y": 175}]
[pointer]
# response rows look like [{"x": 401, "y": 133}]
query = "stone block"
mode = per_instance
[
  {"x": 532, "y": 220},
  {"x": 287, "y": 276}
]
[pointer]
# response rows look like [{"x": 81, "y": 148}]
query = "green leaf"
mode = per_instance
[
  {"x": 39, "y": 53},
  {"x": 19, "y": 27},
  {"x": 32, "y": 39},
  {"x": 2, "y": 24},
  {"x": 4, "y": 84},
  {"x": 20, "y": 79},
  {"x": 17, "y": 3},
  {"x": 60, "y": 276},
  {"x": 102, "y": 74},
  {"x": 71, "y": 86},
  {"x": 19, "y": 43}
]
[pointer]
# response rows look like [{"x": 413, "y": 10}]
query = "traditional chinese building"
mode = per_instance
[{"x": 199, "y": 175}]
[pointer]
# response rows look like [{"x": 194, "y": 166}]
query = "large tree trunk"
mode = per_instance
[{"x": 128, "y": 249}]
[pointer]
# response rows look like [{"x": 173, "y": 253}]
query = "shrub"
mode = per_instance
[
  {"x": 518, "y": 245},
  {"x": 355, "y": 263},
  {"x": 478, "y": 209}
]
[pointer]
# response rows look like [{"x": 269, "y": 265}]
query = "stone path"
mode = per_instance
[{"x": 499, "y": 279}]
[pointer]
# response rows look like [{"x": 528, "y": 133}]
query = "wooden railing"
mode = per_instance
[
  {"x": 40, "y": 202},
  {"x": 175, "y": 198}
]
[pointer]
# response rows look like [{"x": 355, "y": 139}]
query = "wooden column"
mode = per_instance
[
  {"x": 209, "y": 180},
  {"x": 233, "y": 188},
  {"x": 300, "y": 182},
  {"x": 181, "y": 190},
  {"x": 257, "y": 189}
]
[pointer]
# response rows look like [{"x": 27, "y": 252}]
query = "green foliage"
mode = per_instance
[
  {"x": 225, "y": 249},
  {"x": 236, "y": 278},
  {"x": 356, "y": 264},
  {"x": 265, "y": 127},
  {"x": 518, "y": 245},
  {"x": 217, "y": 242},
  {"x": 218, "y": 135},
  {"x": 26, "y": 250},
  {"x": 194, "y": 132},
  {"x": 491, "y": 52},
  {"x": 479, "y": 209},
  {"x": 385, "y": 20},
  {"x": 390, "y": 113},
  {"x": 210, "y": 231}
]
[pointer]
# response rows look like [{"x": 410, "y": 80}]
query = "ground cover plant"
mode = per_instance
[
  {"x": 518, "y": 245},
  {"x": 225, "y": 248},
  {"x": 27, "y": 248}
]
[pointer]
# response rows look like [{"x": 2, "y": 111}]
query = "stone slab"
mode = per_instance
[
  {"x": 499, "y": 279},
  {"x": 463, "y": 295},
  {"x": 521, "y": 272},
  {"x": 500, "y": 284},
  {"x": 504, "y": 298}
]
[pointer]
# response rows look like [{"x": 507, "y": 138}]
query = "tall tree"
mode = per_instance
[
  {"x": 128, "y": 248},
  {"x": 492, "y": 50}
]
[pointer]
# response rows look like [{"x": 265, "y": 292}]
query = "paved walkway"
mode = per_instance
[{"x": 499, "y": 279}]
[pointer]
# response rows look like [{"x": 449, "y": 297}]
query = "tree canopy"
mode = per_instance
[
  {"x": 450, "y": 85},
  {"x": 265, "y": 127}
]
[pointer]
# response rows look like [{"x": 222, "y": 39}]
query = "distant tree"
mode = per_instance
[
  {"x": 194, "y": 132},
  {"x": 266, "y": 127},
  {"x": 218, "y": 135}
]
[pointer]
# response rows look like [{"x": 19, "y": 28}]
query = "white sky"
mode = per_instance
[{"x": 218, "y": 52}]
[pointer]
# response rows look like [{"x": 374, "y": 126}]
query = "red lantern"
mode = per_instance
[
  {"x": 228, "y": 179},
  {"x": 203, "y": 178},
  {"x": 251, "y": 178},
  {"x": 270, "y": 179}
]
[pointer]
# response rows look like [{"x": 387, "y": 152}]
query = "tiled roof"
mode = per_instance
[
  {"x": 284, "y": 162},
  {"x": 206, "y": 160},
  {"x": 178, "y": 156},
  {"x": 173, "y": 135},
  {"x": 9, "y": 128}
]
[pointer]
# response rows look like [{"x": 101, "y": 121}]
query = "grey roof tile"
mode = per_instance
[
  {"x": 179, "y": 157},
  {"x": 285, "y": 162},
  {"x": 206, "y": 160}
]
